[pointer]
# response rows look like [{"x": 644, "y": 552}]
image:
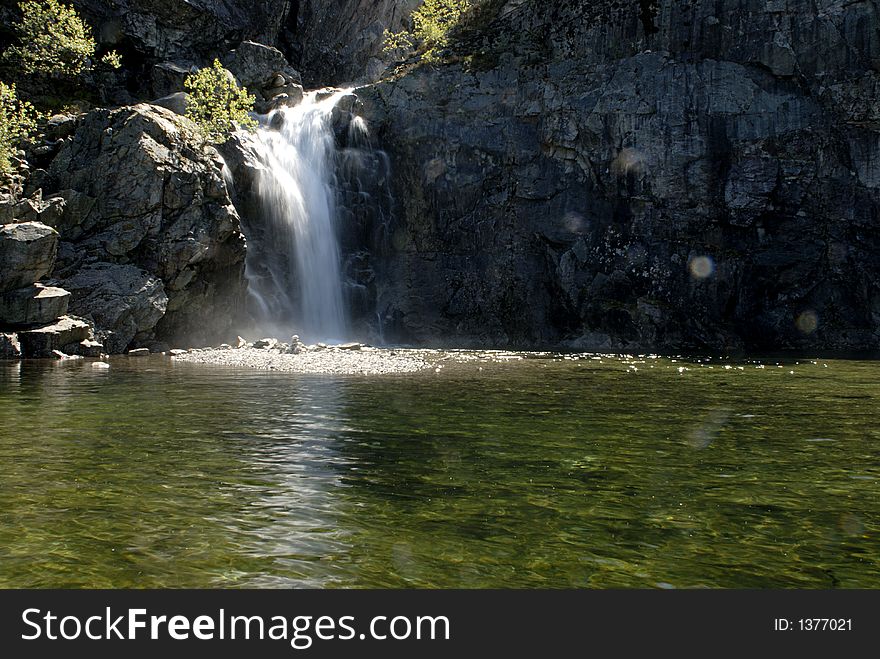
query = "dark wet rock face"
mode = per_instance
[
  {"x": 335, "y": 42},
  {"x": 663, "y": 175},
  {"x": 184, "y": 29},
  {"x": 125, "y": 302}
]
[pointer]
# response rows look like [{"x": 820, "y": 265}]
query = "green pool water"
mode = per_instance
[{"x": 525, "y": 473}]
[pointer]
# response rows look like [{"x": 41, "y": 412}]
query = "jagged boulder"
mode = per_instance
[
  {"x": 256, "y": 66},
  {"x": 42, "y": 341},
  {"x": 264, "y": 71},
  {"x": 76, "y": 217},
  {"x": 27, "y": 254},
  {"x": 151, "y": 196},
  {"x": 33, "y": 209},
  {"x": 242, "y": 156},
  {"x": 125, "y": 302},
  {"x": 33, "y": 305},
  {"x": 167, "y": 78}
]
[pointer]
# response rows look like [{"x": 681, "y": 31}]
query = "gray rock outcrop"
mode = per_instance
[
  {"x": 33, "y": 305},
  {"x": 10, "y": 346},
  {"x": 664, "y": 175},
  {"x": 125, "y": 302},
  {"x": 27, "y": 253},
  {"x": 32, "y": 209},
  {"x": 151, "y": 246},
  {"x": 33, "y": 320},
  {"x": 184, "y": 29},
  {"x": 334, "y": 42},
  {"x": 44, "y": 341},
  {"x": 263, "y": 70},
  {"x": 162, "y": 41}
]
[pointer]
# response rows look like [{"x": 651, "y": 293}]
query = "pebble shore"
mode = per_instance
[{"x": 351, "y": 359}]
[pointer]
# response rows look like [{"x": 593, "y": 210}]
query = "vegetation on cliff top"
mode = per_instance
[
  {"x": 217, "y": 104},
  {"x": 55, "y": 49},
  {"x": 17, "y": 122},
  {"x": 446, "y": 31},
  {"x": 432, "y": 23},
  {"x": 54, "y": 41}
]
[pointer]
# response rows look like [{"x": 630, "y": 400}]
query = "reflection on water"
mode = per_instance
[{"x": 533, "y": 473}]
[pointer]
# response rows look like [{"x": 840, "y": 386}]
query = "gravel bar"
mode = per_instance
[{"x": 329, "y": 360}]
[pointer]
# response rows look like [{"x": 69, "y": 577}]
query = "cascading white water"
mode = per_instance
[{"x": 300, "y": 289}]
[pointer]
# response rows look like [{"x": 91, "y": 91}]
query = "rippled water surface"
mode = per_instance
[{"x": 528, "y": 473}]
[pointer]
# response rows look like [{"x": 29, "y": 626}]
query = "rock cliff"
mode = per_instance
[
  {"x": 340, "y": 41},
  {"x": 162, "y": 41},
  {"x": 638, "y": 174},
  {"x": 184, "y": 29},
  {"x": 151, "y": 247},
  {"x": 613, "y": 174}
]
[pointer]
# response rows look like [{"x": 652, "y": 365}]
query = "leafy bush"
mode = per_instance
[
  {"x": 17, "y": 122},
  {"x": 53, "y": 40},
  {"x": 432, "y": 23},
  {"x": 112, "y": 60},
  {"x": 217, "y": 104}
]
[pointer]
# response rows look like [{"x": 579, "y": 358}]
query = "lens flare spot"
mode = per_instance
[
  {"x": 701, "y": 267},
  {"x": 851, "y": 524},
  {"x": 628, "y": 161},
  {"x": 807, "y": 322},
  {"x": 575, "y": 223}
]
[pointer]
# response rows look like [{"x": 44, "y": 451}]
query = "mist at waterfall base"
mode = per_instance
[{"x": 294, "y": 266}]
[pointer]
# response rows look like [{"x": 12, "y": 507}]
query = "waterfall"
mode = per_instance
[{"x": 295, "y": 277}]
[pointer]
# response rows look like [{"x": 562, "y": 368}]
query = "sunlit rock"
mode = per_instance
[
  {"x": 27, "y": 254},
  {"x": 40, "y": 342},
  {"x": 33, "y": 305}
]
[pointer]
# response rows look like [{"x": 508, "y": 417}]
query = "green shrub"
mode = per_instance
[
  {"x": 112, "y": 60},
  {"x": 217, "y": 104},
  {"x": 432, "y": 23},
  {"x": 17, "y": 121},
  {"x": 53, "y": 40}
]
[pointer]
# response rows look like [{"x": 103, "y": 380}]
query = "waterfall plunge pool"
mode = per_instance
[{"x": 500, "y": 470}]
